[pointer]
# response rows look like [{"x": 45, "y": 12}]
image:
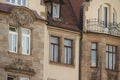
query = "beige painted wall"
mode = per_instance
[
  {"x": 60, "y": 71},
  {"x": 37, "y": 5},
  {"x": 95, "y": 4}
]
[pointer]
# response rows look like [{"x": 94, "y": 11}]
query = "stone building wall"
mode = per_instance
[{"x": 17, "y": 64}]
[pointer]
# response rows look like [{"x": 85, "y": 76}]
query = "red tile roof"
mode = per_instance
[{"x": 69, "y": 16}]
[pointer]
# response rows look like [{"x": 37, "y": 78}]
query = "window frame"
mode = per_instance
[
  {"x": 13, "y": 33},
  {"x": 71, "y": 48},
  {"x": 28, "y": 36},
  {"x": 96, "y": 50},
  {"x": 16, "y": 2},
  {"x": 54, "y": 44},
  {"x": 114, "y": 66},
  {"x": 57, "y": 10}
]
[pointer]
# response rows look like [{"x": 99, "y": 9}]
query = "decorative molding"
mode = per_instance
[
  {"x": 21, "y": 16},
  {"x": 19, "y": 66}
]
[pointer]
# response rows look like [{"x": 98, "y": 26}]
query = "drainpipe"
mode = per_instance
[{"x": 81, "y": 22}]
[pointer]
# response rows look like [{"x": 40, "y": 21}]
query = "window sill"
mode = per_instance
[
  {"x": 62, "y": 64},
  {"x": 110, "y": 70},
  {"x": 16, "y": 53},
  {"x": 93, "y": 67}
]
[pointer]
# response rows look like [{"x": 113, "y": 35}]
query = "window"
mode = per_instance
[
  {"x": 25, "y": 41},
  {"x": 105, "y": 16},
  {"x": 94, "y": 55},
  {"x": 18, "y": 2},
  {"x": 55, "y": 10},
  {"x": 68, "y": 51},
  {"x": 11, "y": 78},
  {"x": 13, "y": 39},
  {"x": 111, "y": 57},
  {"x": 54, "y": 49},
  {"x": 17, "y": 78}
]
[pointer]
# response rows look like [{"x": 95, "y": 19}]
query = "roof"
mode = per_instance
[
  {"x": 69, "y": 15},
  {"x": 7, "y": 8}
]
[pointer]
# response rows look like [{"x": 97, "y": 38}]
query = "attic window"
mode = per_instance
[{"x": 55, "y": 10}]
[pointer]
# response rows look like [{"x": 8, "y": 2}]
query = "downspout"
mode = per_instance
[{"x": 81, "y": 25}]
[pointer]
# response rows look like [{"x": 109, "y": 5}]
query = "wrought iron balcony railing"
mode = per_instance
[{"x": 97, "y": 26}]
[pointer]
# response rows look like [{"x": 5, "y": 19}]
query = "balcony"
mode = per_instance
[{"x": 97, "y": 26}]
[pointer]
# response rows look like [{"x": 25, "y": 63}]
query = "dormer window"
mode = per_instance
[
  {"x": 56, "y": 10},
  {"x": 18, "y": 2}
]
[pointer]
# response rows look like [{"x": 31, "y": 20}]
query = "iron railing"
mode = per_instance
[{"x": 98, "y": 26}]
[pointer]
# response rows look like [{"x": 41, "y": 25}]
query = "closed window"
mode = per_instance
[
  {"x": 13, "y": 39},
  {"x": 26, "y": 41},
  {"x": 17, "y": 78},
  {"x": 68, "y": 57},
  {"x": 18, "y": 2},
  {"x": 111, "y": 57},
  {"x": 54, "y": 49},
  {"x": 55, "y": 10},
  {"x": 94, "y": 55}
]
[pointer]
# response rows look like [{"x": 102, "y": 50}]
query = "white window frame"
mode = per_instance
[
  {"x": 28, "y": 36},
  {"x": 16, "y": 2},
  {"x": 57, "y": 9},
  {"x": 14, "y": 33}
]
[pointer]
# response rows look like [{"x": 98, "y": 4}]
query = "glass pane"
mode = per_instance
[
  {"x": 106, "y": 60},
  {"x": 10, "y": 42},
  {"x": 114, "y": 49},
  {"x": 22, "y": 78},
  {"x": 110, "y": 61},
  {"x": 56, "y": 53},
  {"x": 54, "y": 10},
  {"x": 94, "y": 46},
  {"x": 19, "y": 2},
  {"x": 14, "y": 43},
  {"x": 107, "y": 48},
  {"x": 25, "y": 31},
  {"x": 12, "y": 29},
  {"x": 28, "y": 44},
  {"x": 13, "y": 1},
  {"x": 51, "y": 53},
  {"x": 114, "y": 61},
  {"x": 67, "y": 42},
  {"x": 7, "y": 0},
  {"x": 24, "y": 2},
  {"x": 93, "y": 58},
  {"x": 24, "y": 50},
  {"x": 65, "y": 55},
  {"x": 110, "y": 48},
  {"x": 54, "y": 40},
  {"x": 69, "y": 55}
]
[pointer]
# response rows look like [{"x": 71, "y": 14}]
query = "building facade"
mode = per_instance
[{"x": 59, "y": 40}]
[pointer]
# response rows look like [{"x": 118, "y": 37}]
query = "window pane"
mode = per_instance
[
  {"x": 110, "y": 48},
  {"x": 51, "y": 53},
  {"x": 13, "y": 1},
  {"x": 114, "y": 61},
  {"x": 25, "y": 41},
  {"x": 24, "y": 2},
  {"x": 22, "y": 78},
  {"x": 107, "y": 60},
  {"x": 54, "y": 40},
  {"x": 107, "y": 48},
  {"x": 93, "y": 58},
  {"x": 110, "y": 61},
  {"x": 65, "y": 55},
  {"x": 7, "y": 0},
  {"x": 19, "y": 2},
  {"x": 69, "y": 56},
  {"x": 114, "y": 49},
  {"x": 56, "y": 53},
  {"x": 94, "y": 46},
  {"x": 67, "y": 42}
]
